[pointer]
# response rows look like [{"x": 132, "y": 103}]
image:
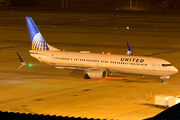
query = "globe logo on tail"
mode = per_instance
[{"x": 39, "y": 43}]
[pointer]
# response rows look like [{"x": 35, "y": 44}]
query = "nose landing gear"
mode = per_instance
[{"x": 163, "y": 77}]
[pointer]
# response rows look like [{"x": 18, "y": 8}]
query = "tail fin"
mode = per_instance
[
  {"x": 129, "y": 52},
  {"x": 37, "y": 41}
]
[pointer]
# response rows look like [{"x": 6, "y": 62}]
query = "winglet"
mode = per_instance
[
  {"x": 129, "y": 52},
  {"x": 21, "y": 60}
]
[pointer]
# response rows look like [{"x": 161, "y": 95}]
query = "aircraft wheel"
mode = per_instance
[
  {"x": 86, "y": 76},
  {"x": 161, "y": 81}
]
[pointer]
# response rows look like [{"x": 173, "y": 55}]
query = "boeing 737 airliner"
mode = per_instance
[{"x": 95, "y": 65}]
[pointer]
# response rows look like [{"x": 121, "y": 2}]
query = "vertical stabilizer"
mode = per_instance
[{"x": 36, "y": 39}]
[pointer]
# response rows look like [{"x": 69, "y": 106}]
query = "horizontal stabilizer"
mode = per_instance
[
  {"x": 17, "y": 51},
  {"x": 21, "y": 60}
]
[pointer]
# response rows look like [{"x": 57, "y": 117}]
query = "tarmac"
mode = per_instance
[{"x": 46, "y": 90}]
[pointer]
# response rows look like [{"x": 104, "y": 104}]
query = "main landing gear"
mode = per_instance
[
  {"x": 86, "y": 76},
  {"x": 161, "y": 81}
]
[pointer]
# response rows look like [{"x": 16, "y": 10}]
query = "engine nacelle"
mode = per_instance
[{"x": 97, "y": 73}]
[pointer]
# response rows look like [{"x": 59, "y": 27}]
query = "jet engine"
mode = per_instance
[{"x": 96, "y": 73}]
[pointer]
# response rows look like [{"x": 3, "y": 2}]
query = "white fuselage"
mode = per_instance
[{"x": 113, "y": 63}]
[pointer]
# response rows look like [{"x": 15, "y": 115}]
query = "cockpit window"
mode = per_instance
[{"x": 165, "y": 65}]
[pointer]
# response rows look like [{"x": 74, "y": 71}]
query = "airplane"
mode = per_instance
[{"x": 95, "y": 65}]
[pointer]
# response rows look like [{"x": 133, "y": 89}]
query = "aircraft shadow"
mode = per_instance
[
  {"x": 77, "y": 74},
  {"x": 153, "y": 105},
  {"x": 139, "y": 81},
  {"x": 123, "y": 78}
]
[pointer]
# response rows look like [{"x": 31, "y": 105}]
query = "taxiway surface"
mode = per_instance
[{"x": 46, "y": 90}]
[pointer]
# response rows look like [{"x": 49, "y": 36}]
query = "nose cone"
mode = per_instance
[
  {"x": 175, "y": 70},
  {"x": 172, "y": 70}
]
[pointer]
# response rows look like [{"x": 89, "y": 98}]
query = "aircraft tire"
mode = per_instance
[
  {"x": 161, "y": 81},
  {"x": 86, "y": 76}
]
